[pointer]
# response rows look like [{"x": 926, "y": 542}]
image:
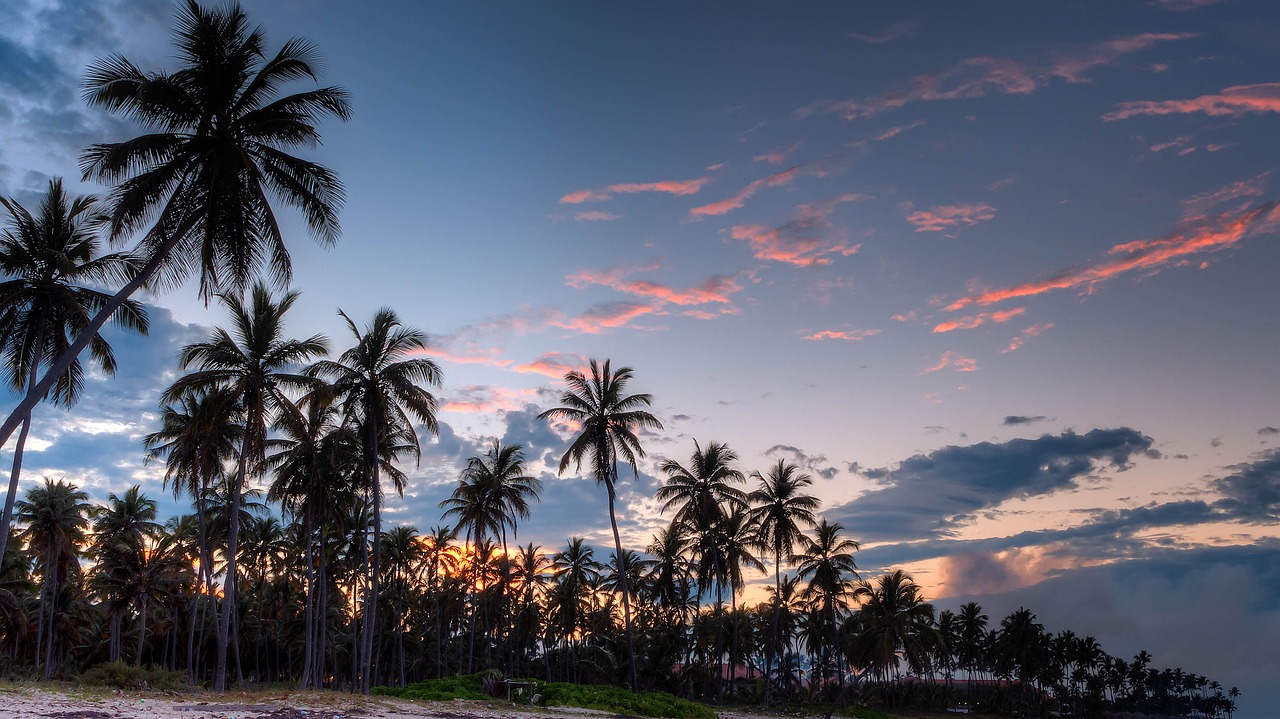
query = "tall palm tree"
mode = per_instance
[
  {"x": 973, "y": 630},
  {"x": 609, "y": 422},
  {"x": 214, "y": 157},
  {"x": 121, "y": 530},
  {"x": 827, "y": 563},
  {"x": 894, "y": 619},
  {"x": 780, "y": 510},
  {"x": 380, "y": 387},
  {"x": 48, "y": 260},
  {"x": 56, "y": 516},
  {"x": 253, "y": 362}
]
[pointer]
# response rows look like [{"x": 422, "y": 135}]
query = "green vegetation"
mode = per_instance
[{"x": 120, "y": 675}]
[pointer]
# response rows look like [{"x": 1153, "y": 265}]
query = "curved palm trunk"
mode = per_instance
[
  {"x": 622, "y": 580},
  {"x": 229, "y": 585},
  {"x": 12, "y": 494}
]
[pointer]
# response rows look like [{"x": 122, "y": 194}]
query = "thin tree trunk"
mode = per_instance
[
  {"x": 622, "y": 580},
  {"x": 12, "y": 494},
  {"x": 142, "y": 630},
  {"x": 371, "y": 597},
  {"x": 229, "y": 585}
]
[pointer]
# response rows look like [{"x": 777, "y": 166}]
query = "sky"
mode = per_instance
[{"x": 999, "y": 275}]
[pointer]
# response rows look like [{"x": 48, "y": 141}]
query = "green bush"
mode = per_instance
[{"x": 120, "y": 675}]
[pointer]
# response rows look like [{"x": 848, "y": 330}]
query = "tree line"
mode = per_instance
[{"x": 283, "y": 570}]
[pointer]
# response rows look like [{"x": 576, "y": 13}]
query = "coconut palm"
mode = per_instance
[
  {"x": 826, "y": 561},
  {"x": 609, "y": 421},
  {"x": 380, "y": 387},
  {"x": 254, "y": 363},
  {"x": 780, "y": 510},
  {"x": 214, "y": 157},
  {"x": 56, "y": 517},
  {"x": 49, "y": 260},
  {"x": 894, "y": 619},
  {"x": 121, "y": 530}
]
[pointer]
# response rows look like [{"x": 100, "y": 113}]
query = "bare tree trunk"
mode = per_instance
[
  {"x": 622, "y": 580},
  {"x": 229, "y": 585}
]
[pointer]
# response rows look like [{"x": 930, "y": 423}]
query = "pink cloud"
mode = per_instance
[
  {"x": 968, "y": 323},
  {"x": 1032, "y": 331},
  {"x": 595, "y": 216},
  {"x": 1231, "y": 102},
  {"x": 943, "y": 217},
  {"x": 820, "y": 167},
  {"x": 598, "y": 318},
  {"x": 981, "y": 76},
  {"x": 851, "y": 335},
  {"x": 804, "y": 240},
  {"x": 896, "y": 31},
  {"x": 1203, "y": 235},
  {"x": 485, "y": 399},
  {"x": 954, "y": 360},
  {"x": 906, "y": 316},
  {"x": 554, "y": 365},
  {"x": 716, "y": 289},
  {"x": 1175, "y": 143},
  {"x": 1200, "y": 204},
  {"x": 482, "y": 357},
  {"x": 778, "y": 155},
  {"x": 679, "y": 188}
]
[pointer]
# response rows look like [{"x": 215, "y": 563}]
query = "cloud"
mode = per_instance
[
  {"x": 968, "y": 323},
  {"x": 852, "y": 335},
  {"x": 716, "y": 289},
  {"x": 955, "y": 361},
  {"x": 1203, "y": 235},
  {"x": 1265, "y": 431},
  {"x": 1182, "y": 5},
  {"x": 553, "y": 364},
  {"x": 803, "y": 241},
  {"x": 816, "y": 464},
  {"x": 484, "y": 399},
  {"x": 1231, "y": 102},
  {"x": 778, "y": 155},
  {"x": 943, "y": 217},
  {"x": 1252, "y": 490},
  {"x": 981, "y": 76},
  {"x": 603, "y": 316},
  {"x": 821, "y": 167},
  {"x": 679, "y": 188},
  {"x": 1200, "y": 204},
  {"x": 1032, "y": 331},
  {"x": 1017, "y": 419},
  {"x": 595, "y": 216},
  {"x": 896, "y": 31}
]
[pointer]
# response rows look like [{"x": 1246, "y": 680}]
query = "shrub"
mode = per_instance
[{"x": 121, "y": 675}]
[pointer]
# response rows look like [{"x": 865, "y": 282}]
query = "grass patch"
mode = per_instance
[
  {"x": 120, "y": 675},
  {"x": 586, "y": 696}
]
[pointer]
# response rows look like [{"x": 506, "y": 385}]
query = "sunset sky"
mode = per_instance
[{"x": 1002, "y": 276}]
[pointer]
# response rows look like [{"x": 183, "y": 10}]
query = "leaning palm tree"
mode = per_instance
[
  {"x": 56, "y": 516},
  {"x": 254, "y": 363},
  {"x": 214, "y": 157},
  {"x": 49, "y": 259},
  {"x": 780, "y": 510},
  {"x": 380, "y": 387},
  {"x": 609, "y": 421}
]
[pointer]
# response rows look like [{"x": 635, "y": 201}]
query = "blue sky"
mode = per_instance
[{"x": 1001, "y": 275}]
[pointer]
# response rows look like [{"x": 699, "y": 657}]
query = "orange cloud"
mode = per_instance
[
  {"x": 804, "y": 240},
  {"x": 1200, "y": 204},
  {"x": 595, "y": 216},
  {"x": 942, "y": 217},
  {"x": 601, "y": 317},
  {"x": 483, "y": 357},
  {"x": 1233, "y": 102},
  {"x": 1205, "y": 235},
  {"x": 968, "y": 323},
  {"x": 671, "y": 187},
  {"x": 554, "y": 365},
  {"x": 485, "y": 399},
  {"x": 1032, "y": 331},
  {"x": 778, "y": 155},
  {"x": 981, "y": 76},
  {"x": 716, "y": 289},
  {"x": 955, "y": 361},
  {"x": 852, "y": 335}
]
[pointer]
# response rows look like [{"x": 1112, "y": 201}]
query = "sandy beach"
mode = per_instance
[{"x": 17, "y": 702}]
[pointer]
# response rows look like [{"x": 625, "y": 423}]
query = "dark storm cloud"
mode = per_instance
[
  {"x": 927, "y": 495},
  {"x": 1252, "y": 491},
  {"x": 1016, "y": 419}
]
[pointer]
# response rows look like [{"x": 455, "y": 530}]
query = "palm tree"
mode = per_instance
[
  {"x": 575, "y": 571},
  {"x": 778, "y": 509},
  {"x": 893, "y": 619},
  {"x": 215, "y": 154},
  {"x": 47, "y": 259},
  {"x": 56, "y": 518},
  {"x": 379, "y": 386},
  {"x": 253, "y": 364},
  {"x": 827, "y": 563},
  {"x": 973, "y": 630},
  {"x": 609, "y": 420},
  {"x": 121, "y": 532}
]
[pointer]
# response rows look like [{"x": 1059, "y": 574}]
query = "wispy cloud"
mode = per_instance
[
  {"x": 553, "y": 364},
  {"x": 945, "y": 217},
  {"x": 1182, "y": 5},
  {"x": 604, "y": 316},
  {"x": 1200, "y": 204},
  {"x": 484, "y": 399},
  {"x": 778, "y": 155},
  {"x": 981, "y": 76},
  {"x": 805, "y": 240},
  {"x": 896, "y": 31},
  {"x": 1017, "y": 419},
  {"x": 1203, "y": 235},
  {"x": 595, "y": 216},
  {"x": 953, "y": 360},
  {"x": 820, "y": 167},
  {"x": 1032, "y": 331},
  {"x": 849, "y": 335},
  {"x": 672, "y": 187},
  {"x": 972, "y": 321},
  {"x": 1231, "y": 102},
  {"x": 716, "y": 289}
]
